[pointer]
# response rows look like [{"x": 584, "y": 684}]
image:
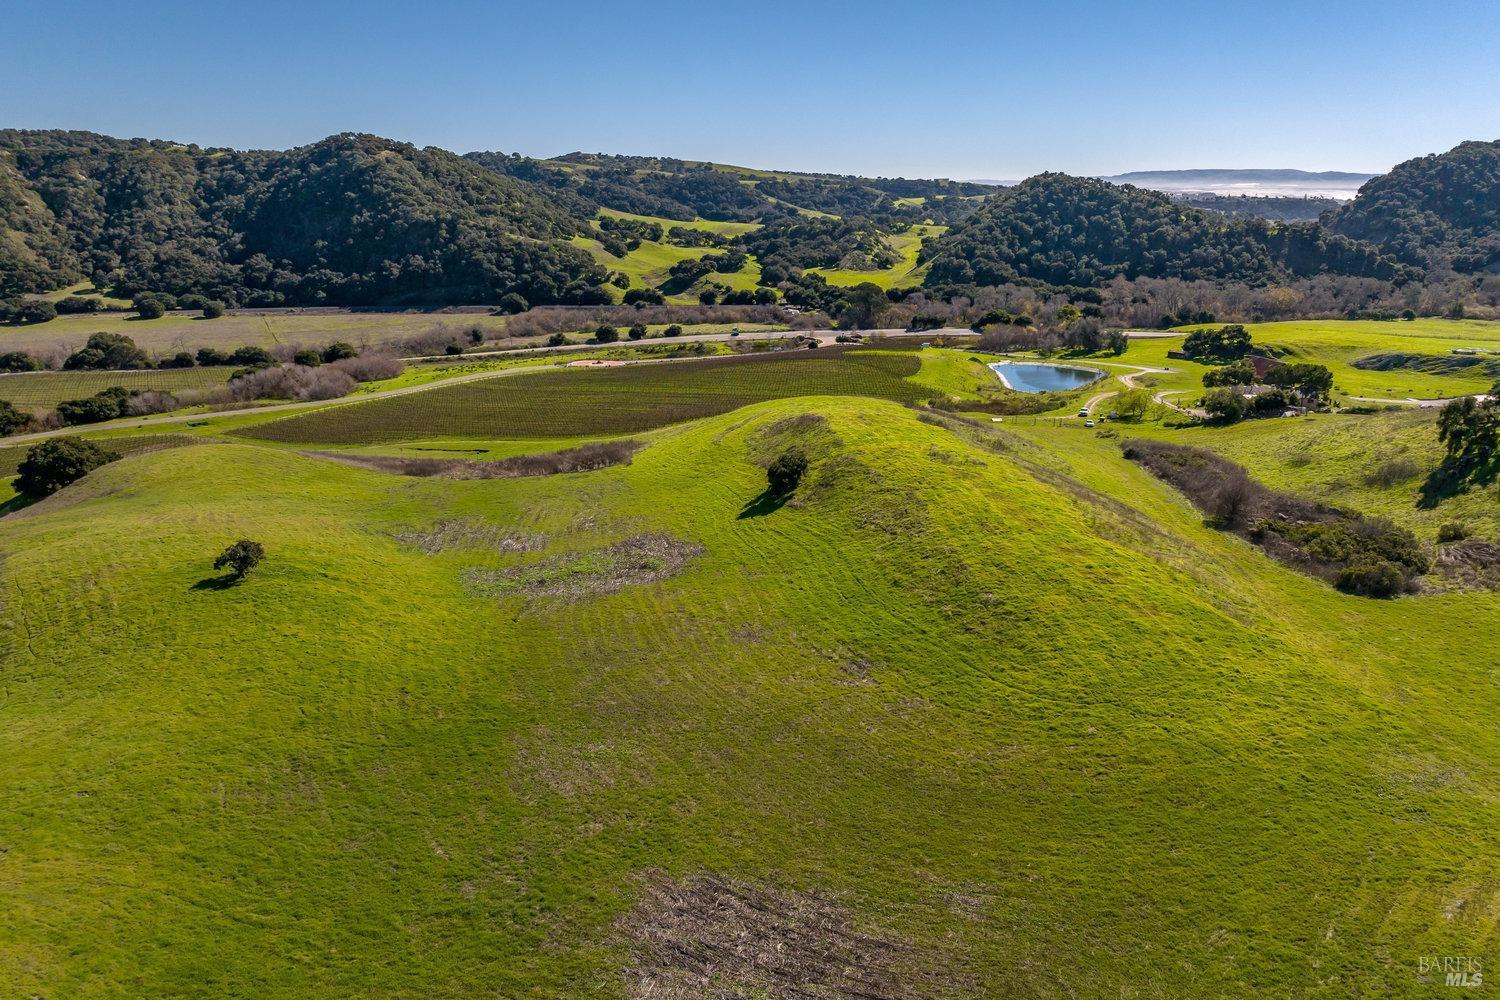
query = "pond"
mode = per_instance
[{"x": 1024, "y": 377}]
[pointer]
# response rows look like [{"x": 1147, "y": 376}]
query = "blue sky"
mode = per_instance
[{"x": 997, "y": 90}]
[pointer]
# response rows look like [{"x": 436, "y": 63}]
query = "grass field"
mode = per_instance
[
  {"x": 1374, "y": 463},
  {"x": 706, "y": 225},
  {"x": 904, "y": 275},
  {"x": 1336, "y": 343},
  {"x": 11, "y": 456},
  {"x": 649, "y": 265},
  {"x": 36, "y": 391},
  {"x": 85, "y": 289},
  {"x": 603, "y": 401},
  {"x": 1002, "y": 700}
]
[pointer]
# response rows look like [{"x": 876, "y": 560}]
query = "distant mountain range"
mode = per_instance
[
  {"x": 1285, "y": 183},
  {"x": 1281, "y": 183}
]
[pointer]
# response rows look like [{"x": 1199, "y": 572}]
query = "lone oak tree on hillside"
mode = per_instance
[
  {"x": 786, "y": 471},
  {"x": 240, "y": 558}
]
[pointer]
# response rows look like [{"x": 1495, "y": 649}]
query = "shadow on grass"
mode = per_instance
[
  {"x": 765, "y": 503},
  {"x": 18, "y": 502},
  {"x": 1452, "y": 478},
  {"x": 216, "y": 582}
]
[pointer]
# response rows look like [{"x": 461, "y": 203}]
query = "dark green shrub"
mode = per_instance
[
  {"x": 1372, "y": 578},
  {"x": 638, "y": 331},
  {"x": 18, "y": 361},
  {"x": 1240, "y": 372},
  {"x": 1388, "y": 474},
  {"x": 12, "y": 420},
  {"x": 251, "y": 357},
  {"x": 213, "y": 309},
  {"x": 182, "y": 359},
  {"x": 1268, "y": 403},
  {"x": 1224, "y": 405},
  {"x": 55, "y": 463},
  {"x": 150, "y": 308},
  {"x": 208, "y": 356},
  {"x": 786, "y": 471},
  {"x": 1224, "y": 344},
  {"x": 108, "y": 351},
  {"x": 643, "y": 296},
  {"x": 106, "y": 405},
  {"x": 35, "y": 311},
  {"x": 240, "y": 558},
  {"x": 1453, "y": 531},
  {"x": 338, "y": 351},
  {"x": 73, "y": 304},
  {"x": 606, "y": 334},
  {"x": 672, "y": 331}
]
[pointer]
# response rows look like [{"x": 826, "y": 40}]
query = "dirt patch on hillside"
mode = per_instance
[
  {"x": 469, "y": 535},
  {"x": 585, "y": 458},
  {"x": 1470, "y": 564},
  {"x": 710, "y": 937},
  {"x": 572, "y": 576}
]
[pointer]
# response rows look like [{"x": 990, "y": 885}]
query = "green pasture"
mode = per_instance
[
  {"x": 902, "y": 275},
  {"x": 707, "y": 225},
  {"x": 998, "y": 694},
  {"x": 1336, "y": 343}
]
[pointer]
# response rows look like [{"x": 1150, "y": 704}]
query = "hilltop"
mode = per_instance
[
  {"x": 1079, "y": 231},
  {"x": 350, "y": 220},
  {"x": 1441, "y": 210},
  {"x": 683, "y": 190}
]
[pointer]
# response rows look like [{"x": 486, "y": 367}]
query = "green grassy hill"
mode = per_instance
[
  {"x": 1342, "y": 345},
  {"x": 975, "y": 714}
]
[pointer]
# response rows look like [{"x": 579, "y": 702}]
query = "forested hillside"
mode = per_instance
[
  {"x": 357, "y": 220},
  {"x": 1442, "y": 209},
  {"x": 1277, "y": 208},
  {"x": 683, "y": 190},
  {"x": 1079, "y": 231},
  {"x": 351, "y": 220}
]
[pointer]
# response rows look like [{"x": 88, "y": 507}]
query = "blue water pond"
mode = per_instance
[{"x": 1024, "y": 377}]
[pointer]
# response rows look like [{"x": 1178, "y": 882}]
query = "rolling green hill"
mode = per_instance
[
  {"x": 1439, "y": 209},
  {"x": 977, "y": 713},
  {"x": 1080, "y": 231},
  {"x": 351, "y": 220}
]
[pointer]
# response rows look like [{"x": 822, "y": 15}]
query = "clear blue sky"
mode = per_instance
[{"x": 997, "y": 90}]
